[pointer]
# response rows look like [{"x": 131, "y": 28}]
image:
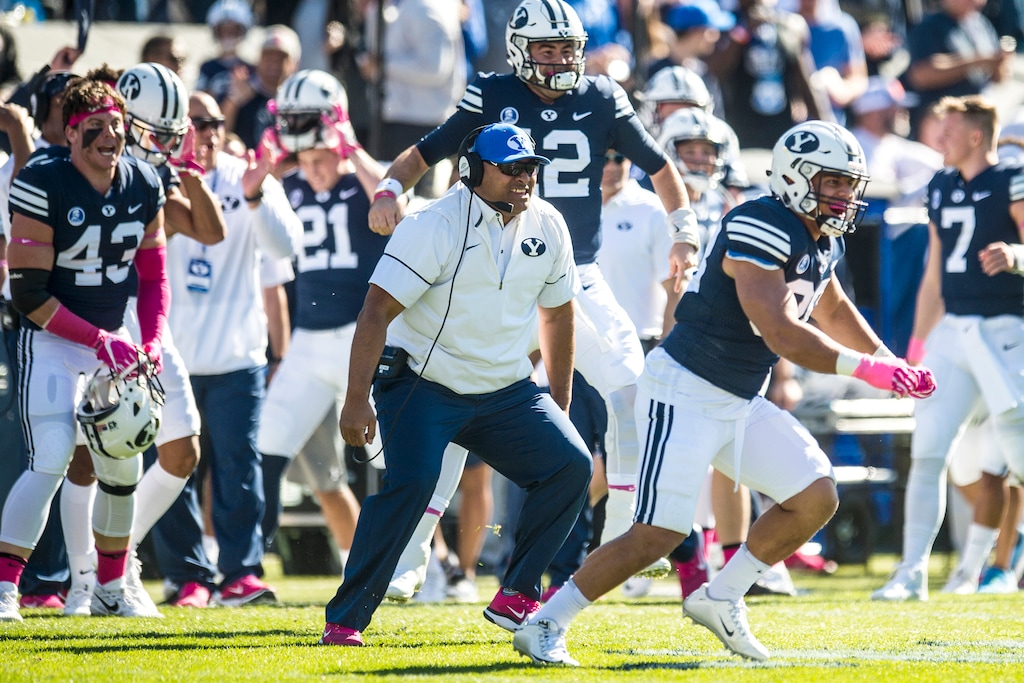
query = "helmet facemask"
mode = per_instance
[
  {"x": 845, "y": 213},
  {"x": 150, "y": 143},
  {"x": 557, "y": 76}
]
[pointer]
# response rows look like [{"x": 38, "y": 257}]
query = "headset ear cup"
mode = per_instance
[{"x": 471, "y": 169}]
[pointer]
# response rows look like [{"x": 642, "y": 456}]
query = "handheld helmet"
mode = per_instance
[
  {"x": 120, "y": 412},
  {"x": 156, "y": 111},
  {"x": 814, "y": 147},
  {"x": 545, "y": 21},
  {"x": 306, "y": 108},
  {"x": 695, "y": 124}
]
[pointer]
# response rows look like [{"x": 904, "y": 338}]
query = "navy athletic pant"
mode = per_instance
[{"x": 519, "y": 431}]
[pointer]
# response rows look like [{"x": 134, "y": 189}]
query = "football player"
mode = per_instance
[
  {"x": 968, "y": 327},
  {"x": 769, "y": 274},
  {"x": 574, "y": 120},
  {"x": 330, "y": 191},
  {"x": 87, "y": 229}
]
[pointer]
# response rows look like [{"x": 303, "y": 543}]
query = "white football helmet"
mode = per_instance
[
  {"x": 156, "y": 111},
  {"x": 692, "y": 123},
  {"x": 305, "y": 109},
  {"x": 678, "y": 84},
  {"x": 810, "y": 148},
  {"x": 545, "y": 21},
  {"x": 120, "y": 412}
]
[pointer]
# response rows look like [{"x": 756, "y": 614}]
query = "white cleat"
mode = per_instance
[
  {"x": 637, "y": 587},
  {"x": 727, "y": 620},
  {"x": 658, "y": 569},
  {"x": 905, "y": 584},
  {"x": 114, "y": 600},
  {"x": 9, "y": 602},
  {"x": 133, "y": 586},
  {"x": 78, "y": 603},
  {"x": 404, "y": 586},
  {"x": 961, "y": 584},
  {"x": 543, "y": 642}
]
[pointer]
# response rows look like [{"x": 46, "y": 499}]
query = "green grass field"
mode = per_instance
[{"x": 831, "y": 632}]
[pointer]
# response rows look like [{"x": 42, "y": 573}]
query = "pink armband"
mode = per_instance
[
  {"x": 154, "y": 292},
  {"x": 915, "y": 350}
]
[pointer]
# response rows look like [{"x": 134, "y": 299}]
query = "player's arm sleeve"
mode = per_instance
[
  {"x": 753, "y": 240},
  {"x": 278, "y": 229},
  {"x": 415, "y": 257},
  {"x": 563, "y": 282},
  {"x": 444, "y": 141}
]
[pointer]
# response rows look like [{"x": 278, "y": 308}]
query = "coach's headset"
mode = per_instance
[{"x": 48, "y": 87}]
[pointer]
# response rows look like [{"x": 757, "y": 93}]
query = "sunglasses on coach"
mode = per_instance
[
  {"x": 517, "y": 168},
  {"x": 206, "y": 122}
]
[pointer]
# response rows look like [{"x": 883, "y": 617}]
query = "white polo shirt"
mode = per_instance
[
  {"x": 216, "y": 311},
  {"x": 490, "y": 328},
  {"x": 634, "y": 255}
]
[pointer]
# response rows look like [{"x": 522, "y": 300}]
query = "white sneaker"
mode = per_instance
[
  {"x": 78, "y": 603},
  {"x": 727, "y": 620},
  {"x": 405, "y": 585},
  {"x": 657, "y": 569},
  {"x": 114, "y": 600},
  {"x": 637, "y": 586},
  {"x": 463, "y": 590},
  {"x": 133, "y": 585},
  {"x": 543, "y": 642},
  {"x": 961, "y": 584},
  {"x": 9, "y": 602},
  {"x": 905, "y": 584}
]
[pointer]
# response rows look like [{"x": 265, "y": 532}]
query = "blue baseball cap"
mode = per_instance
[
  {"x": 697, "y": 13},
  {"x": 503, "y": 143}
]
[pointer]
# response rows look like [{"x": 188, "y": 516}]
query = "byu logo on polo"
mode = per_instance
[{"x": 532, "y": 246}]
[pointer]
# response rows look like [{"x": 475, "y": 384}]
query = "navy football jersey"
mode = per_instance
[
  {"x": 94, "y": 237},
  {"x": 339, "y": 251},
  {"x": 574, "y": 132},
  {"x": 969, "y": 217},
  {"x": 713, "y": 337}
]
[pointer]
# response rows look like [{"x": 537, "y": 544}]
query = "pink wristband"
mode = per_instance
[
  {"x": 915, "y": 350},
  {"x": 384, "y": 193},
  {"x": 67, "y": 325}
]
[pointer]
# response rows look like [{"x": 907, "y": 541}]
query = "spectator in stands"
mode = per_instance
[
  {"x": 423, "y": 68},
  {"x": 164, "y": 50},
  {"x": 695, "y": 27},
  {"x": 229, "y": 21},
  {"x": 245, "y": 107},
  {"x": 954, "y": 51},
  {"x": 838, "y": 51},
  {"x": 764, "y": 66}
]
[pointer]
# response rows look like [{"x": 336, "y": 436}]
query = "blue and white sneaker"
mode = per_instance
[{"x": 996, "y": 581}]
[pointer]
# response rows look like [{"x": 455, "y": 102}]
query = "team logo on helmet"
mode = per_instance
[
  {"x": 520, "y": 18},
  {"x": 802, "y": 142},
  {"x": 131, "y": 87}
]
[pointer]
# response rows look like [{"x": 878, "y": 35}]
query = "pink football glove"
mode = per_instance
[
  {"x": 116, "y": 353},
  {"x": 893, "y": 374},
  {"x": 185, "y": 154},
  {"x": 154, "y": 351}
]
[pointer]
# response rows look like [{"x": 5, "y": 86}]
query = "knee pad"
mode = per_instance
[{"x": 117, "y": 477}]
